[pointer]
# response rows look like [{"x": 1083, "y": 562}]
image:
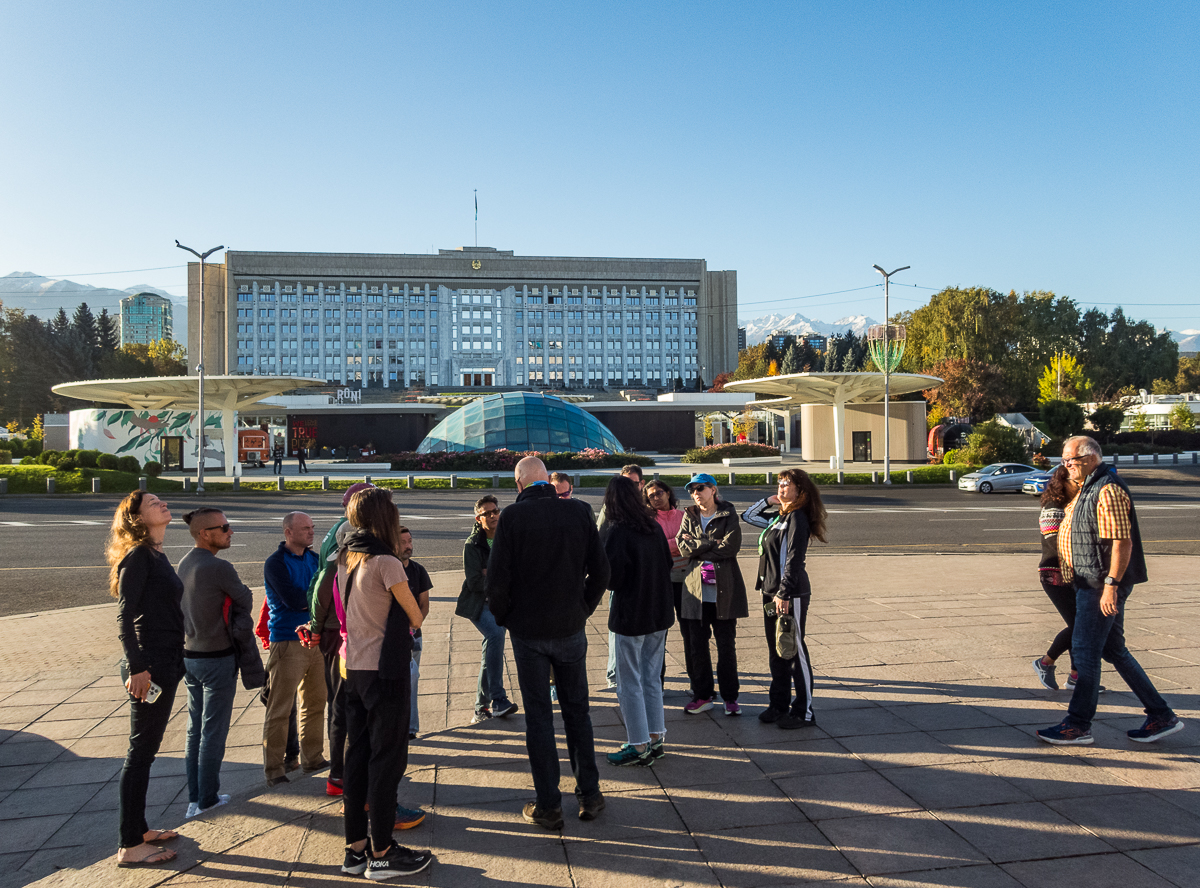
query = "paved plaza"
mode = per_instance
[{"x": 922, "y": 770}]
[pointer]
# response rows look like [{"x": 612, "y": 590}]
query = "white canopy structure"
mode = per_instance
[
  {"x": 838, "y": 389},
  {"x": 226, "y": 394}
]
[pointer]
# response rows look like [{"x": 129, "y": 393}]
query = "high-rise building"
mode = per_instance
[
  {"x": 472, "y": 317},
  {"x": 741, "y": 338},
  {"x": 145, "y": 318}
]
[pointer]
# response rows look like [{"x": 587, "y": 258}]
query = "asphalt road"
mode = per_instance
[{"x": 51, "y": 548}]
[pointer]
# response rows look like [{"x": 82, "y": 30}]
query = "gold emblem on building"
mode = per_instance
[{"x": 476, "y": 264}]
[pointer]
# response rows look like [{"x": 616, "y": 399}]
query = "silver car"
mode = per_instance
[{"x": 998, "y": 476}]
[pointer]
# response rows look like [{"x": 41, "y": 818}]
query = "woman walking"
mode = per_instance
[
  {"x": 790, "y": 517},
  {"x": 380, "y": 610},
  {"x": 150, "y": 620},
  {"x": 661, "y": 500},
  {"x": 714, "y": 593},
  {"x": 638, "y": 618},
  {"x": 1060, "y": 490}
]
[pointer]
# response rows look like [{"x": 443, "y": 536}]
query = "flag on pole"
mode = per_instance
[{"x": 476, "y": 206}]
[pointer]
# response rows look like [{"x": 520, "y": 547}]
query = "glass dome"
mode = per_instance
[{"x": 519, "y": 421}]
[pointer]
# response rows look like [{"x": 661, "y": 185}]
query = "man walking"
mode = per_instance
[
  {"x": 292, "y": 664},
  {"x": 1100, "y": 553},
  {"x": 545, "y": 577},
  {"x": 218, "y": 640},
  {"x": 420, "y": 585}
]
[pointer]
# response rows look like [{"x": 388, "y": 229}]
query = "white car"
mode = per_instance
[{"x": 998, "y": 476}]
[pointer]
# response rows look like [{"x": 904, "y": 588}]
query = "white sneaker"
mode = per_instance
[{"x": 194, "y": 809}]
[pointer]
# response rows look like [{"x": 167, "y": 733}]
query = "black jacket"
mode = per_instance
[
  {"x": 473, "y": 595},
  {"x": 787, "y": 578},
  {"x": 640, "y": 579},
  {"x": 547, "y": 571},
  {"x": 150, "y": 614}
]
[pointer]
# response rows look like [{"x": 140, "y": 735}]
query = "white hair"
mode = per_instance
[{"x": 1084, "y": 446}]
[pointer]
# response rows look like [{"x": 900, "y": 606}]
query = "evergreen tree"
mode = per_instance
[
  {"x": 60, "y": 325},
  {"x": 107, "y": 334},
  {"x": 791, "y": 360},
  {"x": 809, "y": 359}
]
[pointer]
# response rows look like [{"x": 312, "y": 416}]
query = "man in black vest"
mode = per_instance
[{"x": 1100, "y": 551}]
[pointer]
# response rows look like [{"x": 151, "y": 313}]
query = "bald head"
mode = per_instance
[{"x": 530, "y": 470}]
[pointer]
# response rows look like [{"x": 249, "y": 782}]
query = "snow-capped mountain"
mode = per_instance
[
  {"x": 43, "y": 296},
  {"x": 1189, "y": 341},
  {"x": 758, "y": 329}
]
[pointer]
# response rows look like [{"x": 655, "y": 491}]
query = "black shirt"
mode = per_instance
[{"x": 150, "y": 612}]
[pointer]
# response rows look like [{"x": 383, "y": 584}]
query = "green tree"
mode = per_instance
[
  {"x": 1106, "y": 420},
  {"x": 1187, "y": 375},
  {"x": 1116, "y": 353},
  {"x": 750, "y": 362},
  {"x": 992, "y": 442},
  {"x": 1182, "y": 418},
  {"x": 1140, "y": 422},
  {"x": 1063, "y": 379},
  {"x": 107, "y": 333},
  {"x": 1163, "y": 387},
  {"x": 970, "y": 388},
  {"x": 791, "y": 360},
  {"x": 1062, "y": 418}
]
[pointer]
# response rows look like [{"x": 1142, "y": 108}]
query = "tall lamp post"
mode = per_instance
[
  {"x": 200, "y": 372},
  {"x": 887, "y": 373}
]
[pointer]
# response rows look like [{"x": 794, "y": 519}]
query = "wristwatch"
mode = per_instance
[{"x": 1111, "y": 581}]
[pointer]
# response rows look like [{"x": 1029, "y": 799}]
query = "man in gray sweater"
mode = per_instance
[{"x": 218, "y": 640}]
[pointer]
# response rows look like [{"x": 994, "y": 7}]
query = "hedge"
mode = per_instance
[
  {"x": 714, "y": 453},
  {"x": 32, "y": 479},
  {"x": 506, "y": 460}
]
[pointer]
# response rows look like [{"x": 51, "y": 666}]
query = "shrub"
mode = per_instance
[
  {"x": 87, "y": 458},
  {"x": 152, "y": 468},
  {"x": 953, "y": 457},
  {"x": 992, "y": 442},
  {"x": 106, "y": 461},
  {"x": 1039, "y": 461},
  {"x": 29, "y": 461},
  {"x": 66, "y": 464},
  {"x": 1062, "y": 418},
  {"x": 1106, "y": 420},
  {"x": 714, "y": 453},
  {"x": 5, "y": 457},
  {"x": 47, "y": 458},
  {"x": 129, "y": 464}
]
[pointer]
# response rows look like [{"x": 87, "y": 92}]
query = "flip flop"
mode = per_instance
[
  {"x": 164, "y": 855},
  {"x": 163, "y": 836}
]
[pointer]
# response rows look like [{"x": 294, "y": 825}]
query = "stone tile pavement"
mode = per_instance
[{"x": 923, "y": 769}]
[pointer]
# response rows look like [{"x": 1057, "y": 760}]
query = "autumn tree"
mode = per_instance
[
  {"x": 1182, "y": 418},
  {"x": 1063, "y": 380},
  {"x": 970, "y": 388},
  {"x": 1187, "y": 375}
]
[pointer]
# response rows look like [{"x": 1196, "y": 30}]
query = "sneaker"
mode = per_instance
[
  {"x": 1066, "y": 735},
  {"x": 407, "y": 818},
  {"x": 1070, "y": 684},
  {"x": 1155, "y": 729},
  {"x": 698, "y": 706},
  {"x": 355, "y": 863},
  {"x": 292, "y": 764},
  {"x": 733, "y": 708},
  {"x": 503, "y": 709},
  {"x": 275, "y": 781},
  {"x": 333, "y": 787},
  {"x": 319, "y": 765},
  {"x": 1045, "y": 674},
  {"x": 545, "y": 818},
  {"x": 789, "y": 722},
  {"x": 590, "y": 808},
  {"x": 770, "y": 715},
  {"x": 397, "y": 861},
  {"x": 629, "y": 756},
  {"x": 194, "y": 809},
  {"x": 657, "y": 749},
  {"x": 481, "y": 716}
]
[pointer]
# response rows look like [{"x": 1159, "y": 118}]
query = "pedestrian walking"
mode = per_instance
[
  {"x": 150, "y": 630},
  {"x": 277, "y": 456},
  {"x": 639, "y": 615},
  {"x": 301, "y": 463},
  {"x": 491, "y": 700},
  {"x": 790, "y": 517},
  {"x": 380, "y": 612},
  {"x": 420, "y": 585},
  {"x": 546, "y": 576},
  {"x": 714, "y": 593},
  {"x": 1100, "y": 554},
  {"x": 218, "y": 641},
  {"x": 1060, "y": 490}
]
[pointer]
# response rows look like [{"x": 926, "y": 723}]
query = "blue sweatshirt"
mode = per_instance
[{"x": 287, "y": 577}]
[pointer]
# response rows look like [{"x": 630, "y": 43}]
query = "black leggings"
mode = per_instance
[
  {"x": 377, "y": 718},
  {"x": 336, "y": 714},
  {"x": 1063, "y": 599},
  {"x": 147, "y": 724}
]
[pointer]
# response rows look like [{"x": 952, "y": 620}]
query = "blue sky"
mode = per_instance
[{"x": 1016, "y": 146}]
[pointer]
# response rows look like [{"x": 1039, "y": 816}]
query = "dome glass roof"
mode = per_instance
[{"x": 519, "y": 421}]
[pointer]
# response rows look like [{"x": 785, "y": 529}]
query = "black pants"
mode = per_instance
[
  {"x": 377, "y": 717},
  {"x": 147, "y": 724},
  {"x": 301, "y": 465},
  {"x": 677, "y": 592},
  {"x": 1063, "y": 599},
  {"x": 796, "y": 671},
  {"x": 277, "y": 468},
  {"x": 335, "y": 708},
  {"x": 696, "y": 634}
]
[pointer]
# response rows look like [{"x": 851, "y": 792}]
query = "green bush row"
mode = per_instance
[
  {"x": 70, "y": 460},
  {"x": 714, "y": 453}
]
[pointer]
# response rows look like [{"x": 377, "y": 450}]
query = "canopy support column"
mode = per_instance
[{"x": 839, "y": 433}]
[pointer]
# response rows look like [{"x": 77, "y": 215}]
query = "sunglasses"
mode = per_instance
[
  {"x": 489, "y": 513},
  {"x": 656, "y": 492},
  {"x": 224, "y": 528}
]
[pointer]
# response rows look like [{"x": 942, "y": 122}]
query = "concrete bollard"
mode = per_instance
[
  {"x": 237, "y": 483},
  {"x": 1135, "y": 459},
  {"x": 953, "y": 476},
  {"x": 1154, "y": 459},
  {"x": 495, "y": 482},
  {"x": 142, "y": 484},
  {"x": 841, "y": 478},
  {"x": 412, "y": 482},
  {"x": 577, "y": 480},
  {"x": 280, "y": 484},
  {"x": 95, "y": 485},
  {"x": 1175, "y": 459},
  {"x": 874, "y": 477},
  {"x": 367, "y": 479},
  {"x": 49, "y": 484},
  {"x": 732, "y": 478},
  {"x": 656, "y": 476},
  {"x": 187, "y": 485},
  {"x": 832, "y": 462},
  {"x": 1194, "y": 457},
  {"x": 3, "y": 485},
  {"x": 324, "y": 482},
  {"x": 768, "y": 479},
  {"x": 908, "y": 476},
  {"x": 454, "y": 482}
]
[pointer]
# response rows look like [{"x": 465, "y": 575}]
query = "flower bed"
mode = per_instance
[
  {"x": 506, "y": 460},
  {"x": 717, "y": 452}
]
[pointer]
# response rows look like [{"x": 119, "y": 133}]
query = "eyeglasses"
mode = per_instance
[
  {"x": 224, "y": 528},
  {"x": 1068, "y": 460},
  {"x": 566, "y": 494},
  {"x": 656, "y": 492},
  {"x": 489, "y": 513}
]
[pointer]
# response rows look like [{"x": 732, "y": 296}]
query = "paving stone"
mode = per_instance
[
  {"x": 945, "y": 715},
  {"x": 914, "y": 749},
  {"x": 985, "y": 876},
  {"x": 1056, "y": 776},
  {"x": 712, "y": 807},
  {"x": 664, "y": 859},
  {"x": 1022, "y": 831},
  {"x": 1177, "y": 865},
  {"x": 777, "y": 854},
  {"x": 67, "y": 773},
  {"x": 825, "y": 796},
  {"x": 47, "y": 800},
  {"x": 896, "y": 843},
  {"x": 800, "y": 757},
  {"x": 954, "y": 785},
  {"x": 30, "y": 833},
  {"x": 1097, "y": 871},
  {"x": 34, "y": 752},
  {"x": 1156, "y": 823}
]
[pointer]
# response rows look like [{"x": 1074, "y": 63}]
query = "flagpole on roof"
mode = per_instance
[{"x": 476, "y": 217}]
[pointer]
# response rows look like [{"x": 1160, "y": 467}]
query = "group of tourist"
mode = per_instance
[{"x": 343, "y": 632}]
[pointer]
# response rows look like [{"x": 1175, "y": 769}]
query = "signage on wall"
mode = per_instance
[
  {"x": 303, "y": 432},
  {"x": 348, "y": 396}
]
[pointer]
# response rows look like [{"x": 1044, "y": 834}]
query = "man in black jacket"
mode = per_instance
[{"x": 546, "y": 575}]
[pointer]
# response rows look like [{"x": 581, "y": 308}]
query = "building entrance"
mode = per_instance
[
  {"x": 172, "y": 454},
  {"x": 862, "y": 446}
]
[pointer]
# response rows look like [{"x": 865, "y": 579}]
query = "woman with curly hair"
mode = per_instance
[
  {"x": 150, "y": 629},
  {"x": 789, "y": 518},
  {"x": 1060, "y": 490}
]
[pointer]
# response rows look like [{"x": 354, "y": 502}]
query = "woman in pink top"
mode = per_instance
[{"x": 661, "y": 498}]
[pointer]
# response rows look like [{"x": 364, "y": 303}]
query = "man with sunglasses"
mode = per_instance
[{"x": 218, "y": 640}]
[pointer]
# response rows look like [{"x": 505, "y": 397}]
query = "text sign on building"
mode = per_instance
[
  {"x": 348, "y": 396},
  {"x": 303, "y": 432}
]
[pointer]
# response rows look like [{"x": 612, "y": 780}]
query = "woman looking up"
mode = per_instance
[
  {"x": 150, "y": 629},
  {"x": 790, "y": 517}
]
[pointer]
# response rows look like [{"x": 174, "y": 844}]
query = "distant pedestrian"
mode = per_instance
[
  {"x": 546, "y": 576},
  {"x": 491, "y": 700},
  {"x": 714, "y": 593},
  {"x": 639, "y": 615},
  {"x": 301, "y": 465},
  {"x": 150, "y": 629},
  {"x": 1060, "y": 490},
  {"x": 293, "y": 664},
  {"x": 661, "y": 500},
  {"x": 789, "y": 519},
  {"x": 420, "y": 585},
  {"x": 1100, "y": 553},
  {"x": 218, "y": 641},
  {"x": 277, "y": 455},
  {"x": 380, "y": 611}
]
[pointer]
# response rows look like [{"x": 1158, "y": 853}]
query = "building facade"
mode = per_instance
[
  {"x": 473, "y": 317},
  {"x": 145, "y": 318}
]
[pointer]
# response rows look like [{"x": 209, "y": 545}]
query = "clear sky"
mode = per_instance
[{"x": 1026, "y": 146}]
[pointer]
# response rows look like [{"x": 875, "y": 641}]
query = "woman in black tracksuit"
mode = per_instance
[{"x": 789, "y": 519}]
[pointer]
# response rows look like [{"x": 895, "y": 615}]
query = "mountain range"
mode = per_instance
[{"x": 43, "y": 296}]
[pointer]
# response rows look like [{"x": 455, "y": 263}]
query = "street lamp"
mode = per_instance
[
  {"x": 200, "y": 372},
  {"x": 887, "y": 373}
]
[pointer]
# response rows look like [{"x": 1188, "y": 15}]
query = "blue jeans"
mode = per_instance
[
  {"x": 568, "y": 657},
  {"x": 1099, "y": 636},
  {"x": 414, "y": 718},
  {"x": 639, "y": 687},
  {"x": 490, "y": 690},
  {"x": 211, "y": 683}
]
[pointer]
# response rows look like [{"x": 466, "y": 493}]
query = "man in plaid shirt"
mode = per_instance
[{"x": 1100, "y": 554}]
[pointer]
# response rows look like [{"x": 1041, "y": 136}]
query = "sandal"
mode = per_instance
[
  {"x": 162, "y": 855},
  {"x": 161, "y": 836}
]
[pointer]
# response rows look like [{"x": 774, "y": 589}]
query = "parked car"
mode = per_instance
[
  {"x": 998, "y": 476},
  {"x": 1036, "y": 484}
]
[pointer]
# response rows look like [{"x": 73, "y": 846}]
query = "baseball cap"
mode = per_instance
[
  {"x": 353, "y": 489},
  {"x": 699, "y": 480}
]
